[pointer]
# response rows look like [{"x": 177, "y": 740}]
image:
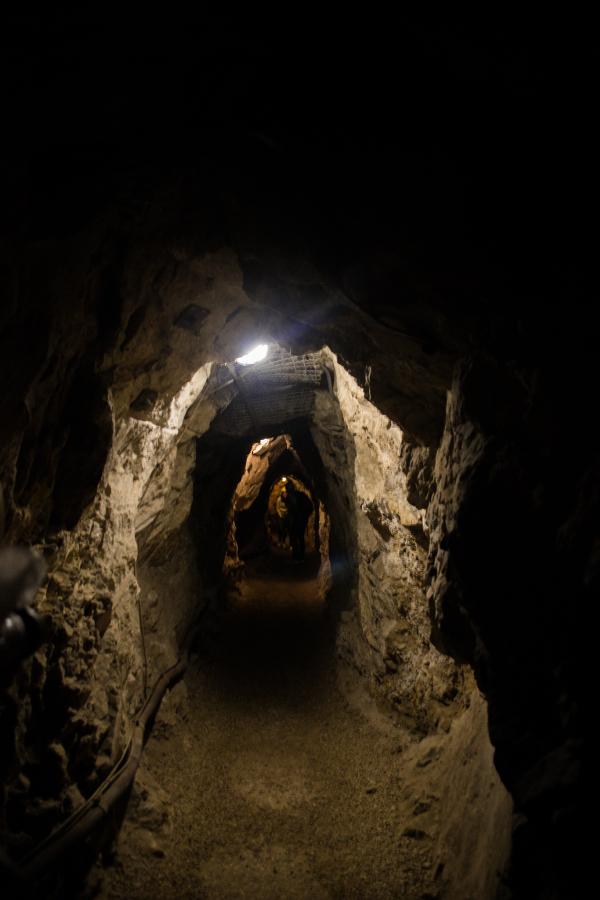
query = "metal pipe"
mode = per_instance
[{"x": 221, "y": 386}]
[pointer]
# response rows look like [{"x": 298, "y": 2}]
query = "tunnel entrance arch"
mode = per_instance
[{"x": 254, "y": 545}]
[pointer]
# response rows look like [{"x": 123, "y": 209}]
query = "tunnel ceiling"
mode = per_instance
[{"x": 278, "y": 390}]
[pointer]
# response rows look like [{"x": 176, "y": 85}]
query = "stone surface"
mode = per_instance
[
  {"x": 289, "y": 780},
  {"x": 90, "y": 680},
  {"x": 527, "y": 653},
  {"x": 386, "y": 633}
]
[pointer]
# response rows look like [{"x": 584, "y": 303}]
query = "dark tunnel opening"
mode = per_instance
[
  {"x": 256, "y": 527},
  {"x": 249, "y": 538},
  {"x": 278, "y": 530}
]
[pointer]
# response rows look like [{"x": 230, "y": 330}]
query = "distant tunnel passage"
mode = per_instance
[
  {"x": 315, "y": 690},
  {"x": 282, "y": 518},
  {"x": 296, "y": 768},
  {"x": 279, "y": 530}
]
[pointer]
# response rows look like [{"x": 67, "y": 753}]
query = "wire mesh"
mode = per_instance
[
  {"x": 280, "y": 388},
  {"x": 280, "y": 367},
  {"x": 306, "y": 369},
  {"x": 280, "y": 405}
]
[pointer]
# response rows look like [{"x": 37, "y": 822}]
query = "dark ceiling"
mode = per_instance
[{"x": 377, "y": 127}]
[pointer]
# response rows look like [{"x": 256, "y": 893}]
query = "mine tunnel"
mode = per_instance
[{"x": 299, "y": 470}]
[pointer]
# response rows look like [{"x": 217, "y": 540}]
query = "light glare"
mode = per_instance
[
  {"x": 262, "y": 445},
  {"x": 254, "y": 356}
]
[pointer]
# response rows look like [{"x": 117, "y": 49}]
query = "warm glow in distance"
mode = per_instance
[{"x": 254, "y": 356}]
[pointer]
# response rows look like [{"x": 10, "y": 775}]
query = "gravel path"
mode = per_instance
[{"x": 283, "y": 782}]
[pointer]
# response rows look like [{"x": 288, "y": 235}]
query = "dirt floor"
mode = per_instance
[{"x": 284, "y": 781}]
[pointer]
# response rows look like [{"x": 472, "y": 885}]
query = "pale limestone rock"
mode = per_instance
[
  {"x": 361, "y": 451},
  {"x": 144, "y": 473}
]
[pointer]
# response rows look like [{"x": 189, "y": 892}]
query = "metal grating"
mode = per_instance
[
  {"x": 221, "y": 376},
  {"x": 280, "y": 388},
  {"x": 293, "y": 402},
  {"x": 278, "y": 393},
  {"x": 293, "y": 370},
  {"x": 280, "y": 367}
]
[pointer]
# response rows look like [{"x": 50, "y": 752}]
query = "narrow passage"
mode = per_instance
[{"x": 284, "y": 781}]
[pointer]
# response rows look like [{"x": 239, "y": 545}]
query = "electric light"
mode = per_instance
[{"x": 254, "y": 356}]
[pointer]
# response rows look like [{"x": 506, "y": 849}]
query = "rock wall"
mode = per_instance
[
  {"x": 111, "y": 339},
  {"x": 458, "y": 813},
  {"x": 246, "y": 493},
  {"x": 513, "y": 570},
  {"x": 84, "y": 688},
  {"x": 386, "y": 631}
]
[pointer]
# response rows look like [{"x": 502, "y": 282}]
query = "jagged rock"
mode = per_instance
[{"x": 363, "y": 456}]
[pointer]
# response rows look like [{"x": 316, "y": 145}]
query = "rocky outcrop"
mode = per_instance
[
  {"x": 257, "y": 466},
  {"x": 385, "y": 632},
  {"x": 504, "y": 563},
  {"x": 418, "y": 466},
  {"x": 85, "y": 687}
]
